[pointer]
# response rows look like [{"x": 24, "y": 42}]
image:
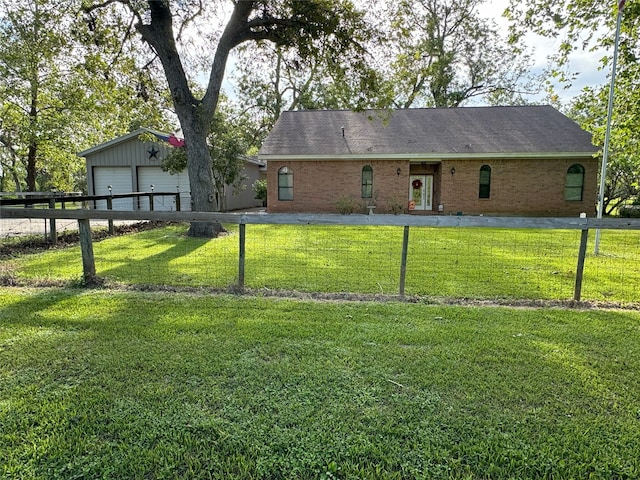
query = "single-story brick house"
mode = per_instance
[
  {"x": 132, "y": 163},
  {"x": 518, "y": 160}
]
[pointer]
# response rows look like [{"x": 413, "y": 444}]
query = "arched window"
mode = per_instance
[
  {"x": 285, "y": 184},
  {"x": 367, "y": 181},
  {"x": 574, "y": 184},
  {"x": 485, "y": 182}
]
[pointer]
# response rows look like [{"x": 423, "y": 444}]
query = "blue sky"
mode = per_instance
[{"x": 586, "y": 64}]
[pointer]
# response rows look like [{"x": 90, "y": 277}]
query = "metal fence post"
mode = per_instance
[
  {"x": 110, "y": 207},
  {"x": 403, "y": 262},
  {"x": 53, "y": 234},
  {"x": 582, "y": 253},
  {"x": 241, "y": 255}
]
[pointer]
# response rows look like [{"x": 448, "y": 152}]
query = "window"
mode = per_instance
[
  {"x": 574, "y": 184},
  {"x": 485, "y": 182},
  {"x": 367, "y": 181},
  {"x": 285, "y": 184}
]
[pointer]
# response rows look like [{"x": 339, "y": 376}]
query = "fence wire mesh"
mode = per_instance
[{"x": 441, "y": 262}]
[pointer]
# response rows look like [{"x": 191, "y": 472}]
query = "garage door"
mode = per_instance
[
  {"x": 119, "y": 178},
  {"x": 164, "y": 182}
]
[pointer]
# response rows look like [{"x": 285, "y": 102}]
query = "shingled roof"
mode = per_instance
[{"x": 428, "y": 132}]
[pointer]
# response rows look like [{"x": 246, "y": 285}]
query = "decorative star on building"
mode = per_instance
[{"x": 153, "y": 152}]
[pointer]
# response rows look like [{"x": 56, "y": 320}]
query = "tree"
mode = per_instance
[
  {"x": 28, "y": 49},
  {"x": 61, "y": 91},
  {"x": 271, "y": 79},
  {"x": 445, "y": 53},
  {"x": 229, "y": 141},
  {"x": 622, "y": 184},
  {"x": 590, "y": 25},
  {"x": 290, "y": 23}
]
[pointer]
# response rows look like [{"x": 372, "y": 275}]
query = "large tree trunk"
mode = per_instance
[
  {"x": 200, "y": 181},
  {"x": 194, "y": 115}
]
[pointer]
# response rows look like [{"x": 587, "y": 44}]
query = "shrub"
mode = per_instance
[
  {"x": 629, "y": 211},
  {"x": 260, "y": 187},
  {"x": 396, "y": 206},
  {"x": 346, "y": 205}
]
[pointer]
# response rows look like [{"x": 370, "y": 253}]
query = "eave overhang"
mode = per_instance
[{"x": 436, "y": 157}]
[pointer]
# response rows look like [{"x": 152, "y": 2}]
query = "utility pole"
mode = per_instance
[{"x": 607, "y": 136}]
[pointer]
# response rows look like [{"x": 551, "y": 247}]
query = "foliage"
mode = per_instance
[
  {"x": 445, "y": 53},
  {"x": 397, "y": 207},
  {"x": 116, "y": 384},
  {"x": 272, "y": 79},
  {"x": 623, "y": 163},
  {"x": 175, "y": 161},
  {"x": 228, "y": 146},
  {"x": 590, "y": 25},
  {"x": 60, "y": 93},
  {"x": 629, "y": 211},
  {"x": 228, "y": 142},
  {"x": 346, "y": 205},
  {"x": 289, "y": 23},
  {"x": 260, "y": 188}
]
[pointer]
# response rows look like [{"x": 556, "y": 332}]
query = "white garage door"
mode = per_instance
[
  {"x": 119, "y": 178},
  {"x": 164, "y": 182}
]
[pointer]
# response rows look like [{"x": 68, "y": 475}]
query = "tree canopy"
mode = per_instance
[
  {"x": 65, "y": 84},
  {"x": 444, "y": 53},
  {"x": 591, "y": 25},
  {"x": 304, "y": 26}
]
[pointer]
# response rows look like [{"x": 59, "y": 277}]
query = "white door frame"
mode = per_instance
[{"x": 423, "y": 195}]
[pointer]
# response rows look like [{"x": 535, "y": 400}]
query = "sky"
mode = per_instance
[{"x": 586, "y": 63}]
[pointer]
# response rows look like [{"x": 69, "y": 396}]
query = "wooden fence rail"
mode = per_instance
[
  {"x": 242, "y": 219},
  {"x": 51, "y": 200}
]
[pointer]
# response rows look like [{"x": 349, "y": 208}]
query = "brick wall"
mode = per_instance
[
  {"x": 518, "y": 186},
  {"x": 319, "y": 186}
]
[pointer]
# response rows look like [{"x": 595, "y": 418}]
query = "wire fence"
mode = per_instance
[{"x": 479, "y": 258}]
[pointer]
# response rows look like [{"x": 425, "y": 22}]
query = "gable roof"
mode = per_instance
[
  {"x": 427, "y": 132},
  {"x": 124, "y": 138}
]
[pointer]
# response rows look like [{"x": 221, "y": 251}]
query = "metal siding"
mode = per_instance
[
  {"x": 246, "y": 198},
  {"x": 132, "y": 152}
]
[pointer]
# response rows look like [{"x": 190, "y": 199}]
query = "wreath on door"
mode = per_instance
[{"x": 416, "y": 192}]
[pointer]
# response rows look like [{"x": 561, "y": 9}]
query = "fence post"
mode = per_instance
[
  {"x": 151, "y": 202},
  {"x": 53, "y": 234},
  {"x": 86, "y": 247},
  {"x": 241, "y": 255},
  {"x": 178, "y": 201},
  {"x": 110, "y": 207},
  {"x": 403, "y": 262},
  {"x": 582, "y": 253}
]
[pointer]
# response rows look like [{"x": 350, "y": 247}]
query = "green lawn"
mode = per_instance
[
  {"x": 112, "y": 385},
  {"x": 442, "y": 262}
]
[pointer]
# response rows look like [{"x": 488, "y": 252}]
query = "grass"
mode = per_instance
[
  {"x": 112, "y": 384},
  {"x": 479, "y": 263}
]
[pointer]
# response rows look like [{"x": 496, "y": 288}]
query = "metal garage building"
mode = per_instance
[{"x": 132, "y": 163}]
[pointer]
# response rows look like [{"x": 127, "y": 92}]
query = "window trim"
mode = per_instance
[
  {"x": 285, "y": 173},
  {"x": 366, "y": 185},
  {"x": 568, "y": 189},
  {"x": 484, "y": 187}
]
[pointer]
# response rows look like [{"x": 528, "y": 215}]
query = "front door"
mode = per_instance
[{"x": 421, "y": 191}]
